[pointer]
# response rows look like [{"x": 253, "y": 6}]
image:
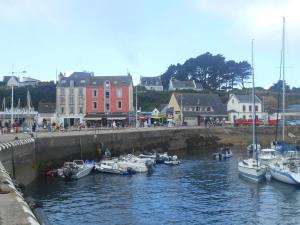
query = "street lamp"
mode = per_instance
[
  {"x": 12, "y": 82},
  {"x": 181, "y": 113}
]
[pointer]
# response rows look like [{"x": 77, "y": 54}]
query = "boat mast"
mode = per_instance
[
  {"x": 253, "y": 101},
  {"x": 283, "y": 79}
]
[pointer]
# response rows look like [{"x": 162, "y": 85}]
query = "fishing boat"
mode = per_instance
[
  {"x": 76, "y": 169},
  {"x": 252, "y": 168},
  {"x": 113, "y": 167}
]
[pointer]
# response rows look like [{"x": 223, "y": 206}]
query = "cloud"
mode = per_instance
[
  {"x": 258, "y": 18},
  {"x": 24, "y": 10}
]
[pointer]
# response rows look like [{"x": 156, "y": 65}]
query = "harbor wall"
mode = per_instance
[{"x": 26, "y": 159}]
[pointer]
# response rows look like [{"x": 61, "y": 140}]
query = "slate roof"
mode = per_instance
[
  {"x": 81, "y": 79},
  {"x": 206, "y": 100},
  {"x": 46, "y": 107},
  {"x": 183, "y": 84},
  {"x": 246, "y": 98},
  {"x": 114, "y": 80},
  {"x": 293, "y": 108},
  {"x": 151, "y": 81},
  {"x": 6, "y": 78}
]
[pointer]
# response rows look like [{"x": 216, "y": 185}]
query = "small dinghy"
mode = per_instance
[
  {"x": 172, "y": 160},
  {"x": 224, "y": 153}
]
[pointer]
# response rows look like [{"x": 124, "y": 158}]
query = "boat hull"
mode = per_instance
[
  {"x": 252, "y": 173},
  {"x": 83, "y": 172},
  {"x": 285, "y": 176}
]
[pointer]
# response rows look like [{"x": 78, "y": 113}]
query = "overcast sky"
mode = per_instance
[{"x": 144, "y": 37}]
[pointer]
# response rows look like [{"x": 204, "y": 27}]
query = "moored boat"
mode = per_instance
[{"x": 76, "y": 169}]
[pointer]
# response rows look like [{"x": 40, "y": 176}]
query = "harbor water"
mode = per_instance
[{"x": 199, "y": 191}]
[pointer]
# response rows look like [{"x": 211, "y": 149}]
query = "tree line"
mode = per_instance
[{"x": 212, "y": 71}]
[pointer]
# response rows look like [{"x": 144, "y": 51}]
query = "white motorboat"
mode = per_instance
[
  {"x": 112, "y": 166},
  {"x": 224, "y": 153},
  {"x": 138, "y": 167},
  {"x": 286, "y": 170},
  {"x": 252, "y": 169},
  {"x": 172, "y": 160},
  {"x": 162, "y": 157},
  {"x": 133, "y": 158},
  {"x": 267, "y": 155},
  {"x": 76, "y": 169}
]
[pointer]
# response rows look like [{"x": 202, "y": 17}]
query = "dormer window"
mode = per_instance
[
  {"x": 107, "y": 84},
  {"x": 71, "y": 83},
  {"x": 63, "y": 81}
]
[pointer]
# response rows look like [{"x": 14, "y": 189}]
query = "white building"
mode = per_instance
[
  {"x": 152, "y": 83},
  {"x": 240, "y": 107},
  {"x": 71, "y": 98}
]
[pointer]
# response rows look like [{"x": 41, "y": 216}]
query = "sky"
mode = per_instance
[{"x": 144, "y": 37}]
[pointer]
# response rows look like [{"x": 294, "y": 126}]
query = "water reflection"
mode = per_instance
[{"x": 200, "y": 191}]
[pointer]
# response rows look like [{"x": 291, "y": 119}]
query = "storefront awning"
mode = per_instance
[
  {"x": 93, "y": 118},
  {"x": 116, "y": 118}
]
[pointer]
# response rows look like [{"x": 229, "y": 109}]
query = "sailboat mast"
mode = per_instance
[
  {"x": 283, "y": 79},
  {"x": 253, "y": 98}
]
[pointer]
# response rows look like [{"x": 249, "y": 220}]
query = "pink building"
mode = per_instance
[{"x": 108, "y": 99}]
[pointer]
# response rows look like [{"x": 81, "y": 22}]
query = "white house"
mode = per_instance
[
  {"x": 152, "y": 83},
  {"x": 240, "y": 107}
]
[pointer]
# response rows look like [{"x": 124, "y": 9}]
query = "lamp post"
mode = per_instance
[
  {"x": 13, "y": 82},
  {"x": 136, "y": 110}
]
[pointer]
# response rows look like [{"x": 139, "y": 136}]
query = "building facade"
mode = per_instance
[
  {"x": 240, "y": 107},
  {"x": 194, "y": 108},
  {"x": 152, "y": 83},
  {"x": 71, "y": 98},
  {"x": 108, "y": 99}
]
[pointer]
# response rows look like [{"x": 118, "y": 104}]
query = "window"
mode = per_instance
[
  {"x": 107, "y": 84},
  {"x": 80, "y": 91},
  {"x": 208, "y": 109},
  {"x": 95, "y": 106},
  {"x": 244, "y": 108},
  {"x": 119, "y": 105},
  {"x": 115, "y": 82},
  {"x": 197, "y": 108},
  {"x": 82, "y": 81},
  {"x": 256, "y": 108},
  {"x": 107, "y": 106},
  {"x": 63, "y": 81},
  {"x": 62, "y": 91},
  {"x": 119, "y": 93},
  {"x": 71, "y": 110},
  {"x": 95, "y": 93},
  {"x": 81, "y": 102},
  {"x": 80, "y": 109},
  {"x": 107, "y": 94},
  {"x": 62, "y": 110},
  {"x": 62, "y": 99},
  {"x": 71, "y": 91},
  {"x": 71, "y": 100},
  {"x": 250, "y": 108},
  {"x": 244, "y": 117},
  {"x": 71, "y": 83}
]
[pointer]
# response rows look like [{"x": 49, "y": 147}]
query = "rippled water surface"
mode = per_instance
[{"x": 199, "y": 191}]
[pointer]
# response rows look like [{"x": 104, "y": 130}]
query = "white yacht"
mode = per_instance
[
  {"x": 286, "y": 170},
  {"x": 252, "y": 168},
  {"x": 267, "y": 155}
]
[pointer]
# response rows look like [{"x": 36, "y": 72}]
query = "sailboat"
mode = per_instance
[
  {"x": 252, "y": 168},
  {"x": 287, "y": 168}
]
